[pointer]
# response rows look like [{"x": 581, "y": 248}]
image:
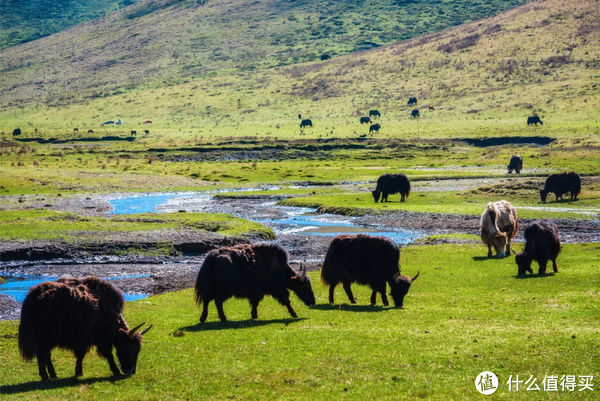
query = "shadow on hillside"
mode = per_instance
[
  {"x": 528, "y": 276},
  {"x": 350, "y": 307},
  {"x": 237, "y": 324},
  {"x": 52, "y": 384}
]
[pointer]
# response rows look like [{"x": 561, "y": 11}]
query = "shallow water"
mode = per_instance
[{"x": 17, "y": 285}]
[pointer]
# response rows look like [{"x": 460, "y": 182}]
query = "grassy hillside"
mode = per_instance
[
  {"x": 23, "y": 21},
  {"x": 483, "y": 78},
  {"x": 158, "y": 42},
  {"x": 463, "y": 315}
]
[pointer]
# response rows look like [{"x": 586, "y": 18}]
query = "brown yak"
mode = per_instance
[{"x": 499, "y": 225}]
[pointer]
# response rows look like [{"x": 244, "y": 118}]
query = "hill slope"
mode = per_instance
[
  {"x": 22, "y": 21},
  {"x": 155, "y": 42},
  {"x": 483, "y": 78}
]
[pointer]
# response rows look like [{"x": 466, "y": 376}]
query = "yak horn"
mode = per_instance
[
  {"x": 136, "y": 327},
  {"x": 513, "y": 251},
  {"x": 146, "y": 329},
  {"x": 415, "y": 277},
  {"x": 122, "y": 321}
]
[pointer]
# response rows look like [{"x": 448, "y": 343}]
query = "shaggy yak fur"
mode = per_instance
[
  {"x": 76, "y": 314},
  {"x": 541, "y": 244},
  {"x": 250, "y": 271},
  {"x": 534, "y": 120},
  {"x": 389, "y": 184},
  {"x": 515, "y": 163},
  {"x": 364, "y": 259},
  {"x": 560, "y": 184},
  {"x": 499, "y": 225}
]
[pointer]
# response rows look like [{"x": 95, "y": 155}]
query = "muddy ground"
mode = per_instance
[{"x": 112, "y": 256}]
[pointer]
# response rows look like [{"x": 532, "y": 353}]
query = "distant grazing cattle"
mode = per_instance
[
  {"x": 90, "y": 131},
  {"x": 431, "y": 108},
  {"x": 119, "y": 122},
  {"x": 560, "y": 184},
  {"x": 411, "y": 101},
  {"x": 250, "y": 271},
  {"x": 299, "y": 116},
  {"x": 415, "y": 113},
  {"x": 325, "y": 56},
  {"x": 365, "y": 120},
  {"x": 146, "y": 131},
  {"x": 374, "y": 127},
  {"x": 17, "y": 132},
  {"x": 133, "y": 133},
  {"x": 515, "y": 163},
  {"x": 306, "y": 123},
  {"x": 147, "y": 122},
  {"x": 374, "y": 113},
  {"x": 499, "y": 225},
  {"x": 534, "y": 120},
  {"x": 389, "y": 184},
  {"x": 76, "y": 130},
  {"x": 109, "y": 122},
  {"x": 373, "y": 261},
  {"x": 76, "y": 314},
  {"x": 541, "y": 244}
]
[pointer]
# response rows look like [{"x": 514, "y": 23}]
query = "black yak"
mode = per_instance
[
  {"x": 374, "y": 113},
  {"x": 364, "y": 259},
  {"x": 77, "y": 314},
  {"x": 17, "y": 132},
  {"x": 534, "y": 120},
  {"x": 560, "y": 184},
  {"x": 515, "y": 163},
  {"x": 415, "y": 113},
  {"x": 306, "y": 123},
  {"x": 374, "y": 127},
  {"x": 365, "y": 120},
  {"x": 250, "y": 271},
  {"x": 541, "y": 244},
  {"x": 498, "y": 226},
  {"x": 389, "y": 184},
  {"x": 411, "y": 101}
]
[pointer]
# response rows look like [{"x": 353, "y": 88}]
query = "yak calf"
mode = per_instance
[
  {"x": 541, "y": 244},
  {"x": 77, "y": 314},
  {"x": 250, "y": 271},
  {"x": 366, "y": 260}
]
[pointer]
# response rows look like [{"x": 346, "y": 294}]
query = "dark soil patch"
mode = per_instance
[
  {"x": 85, "y": 139},
  {"x": 508, "y": 140}
]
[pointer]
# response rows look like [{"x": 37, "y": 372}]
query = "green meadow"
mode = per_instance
[{"x": 463, "y": 315}]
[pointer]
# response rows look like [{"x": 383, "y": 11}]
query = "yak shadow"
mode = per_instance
[
  {"x": 237, "y": 324},
  {"x": 482, "y": 258},
  {"x": 351, "y": 307},
  {"x": 56, "y": 383},
  {"x": 528, "y": 276}
]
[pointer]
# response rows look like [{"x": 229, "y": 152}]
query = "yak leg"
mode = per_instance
[
  {"x": 106, "y": 352},
  {"x": 384, "y": 197},
  {"x": 554, "y": 266},
  {"x": 373, "y": 297},
  {"x": 542, "y": 269},
  {"x": 331, "y": 291},
  {"x": 402, "y": 198},
  {"x": 291, "y": 309},
  {"x": 79, "y": 354},
  {"x": 204, "y": 310},
  {"x": 254, "y": 313},
  {"x": 49, "y": 366},
  {"x": 349, "y": 292},
  {"x": 41, "y": 360},
  {"x": 384, "y": 298},
  {"x": 489, "y": 250},
  {"x": 219, "y": 304}
]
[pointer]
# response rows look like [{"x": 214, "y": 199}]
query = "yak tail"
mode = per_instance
[
  {"x": 27, "y": 337},
  {"x": 493, "y": 215}
]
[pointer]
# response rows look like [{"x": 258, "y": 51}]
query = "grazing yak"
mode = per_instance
[
  {"x": 306, "y": 123},
  {"x": 365, "y": 120},
  {"x": 133, "y": 133},
  {"x": 411, "y": 101},
  {"x": 250, "y": 271},
  {"x": 77, "y": 314},
  {"x": 17, "y": 132},
  {"x": 374, "y": 127},
  {"x": 146, "y": 132},
  {"x": 560, "y": 184},
  {"x": 431, "y": 108},
  {"x": 374, "y": 113},
  {"x": 415, "y": 113},
  {"x": 541, "y": 244},
  {"x": 498, "y": 226},
  {"x": 389, "y": 184},
  {"x": 364, "y": 259},
  {"x": 534, "y": 120},
  {"x": 90, "y": 131},
  {"x": 147, "y": 122},
  {"x": 515, "y": 163}
]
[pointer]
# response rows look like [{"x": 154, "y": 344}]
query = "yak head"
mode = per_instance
[
  {"x": 376, "y": 194},
  {"x": 543, "y": 195},
  {"x": 300, "y": 284},
  {"x": 128, "y": 345},
  {"x": 524, "y": 263},
  {"x": 399, "y": 288}
]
